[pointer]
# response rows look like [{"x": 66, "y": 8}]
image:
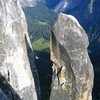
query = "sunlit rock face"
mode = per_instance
[
  {"x": 72, "y": 69},
  {"x": 16, "y": 80}
]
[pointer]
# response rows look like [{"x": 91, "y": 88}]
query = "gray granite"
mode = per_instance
[
  {"x": 15, "y": 67},
  {"x": 72, "y": 69}
]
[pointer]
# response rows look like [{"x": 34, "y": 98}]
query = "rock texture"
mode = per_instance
[
  {"x": 72, "y": 69},
  {"x": 16, "y": 80}
]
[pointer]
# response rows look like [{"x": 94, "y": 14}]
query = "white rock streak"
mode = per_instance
[{"x": 91, "y": 6}]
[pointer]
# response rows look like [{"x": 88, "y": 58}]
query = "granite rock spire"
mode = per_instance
[
  {"x": 16, "y": 80},
  {"x": 72, "y": 69}
]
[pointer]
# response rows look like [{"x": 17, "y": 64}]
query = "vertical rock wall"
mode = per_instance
[
  {"x": 72, "y": 69},
  {"x": 16, "y": 80}
]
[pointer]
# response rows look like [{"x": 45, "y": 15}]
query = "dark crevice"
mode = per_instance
[
  {"x": 33, "y": 68},
  {"x": 44, "y": 66}
]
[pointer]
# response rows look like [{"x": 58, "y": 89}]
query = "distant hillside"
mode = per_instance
[
  {"x": 94, "y": 39},
  {"x": 40, "y": 20}
]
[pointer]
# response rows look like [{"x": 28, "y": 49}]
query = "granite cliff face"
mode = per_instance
[
  {"x": 72, "y": 69},
  {"x": 16, "y": 80}
]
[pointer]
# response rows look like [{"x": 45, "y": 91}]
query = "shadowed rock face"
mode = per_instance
[
  {"x": 3, "y": 96},
  {"x": 14, "y": 62},
  {"x": 72, "y": 69}
]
